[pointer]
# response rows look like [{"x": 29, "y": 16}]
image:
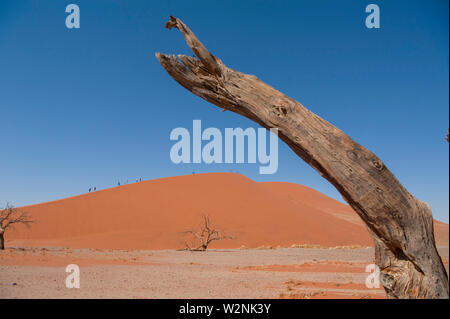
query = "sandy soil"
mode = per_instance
[{"x": 250, "y": 273}]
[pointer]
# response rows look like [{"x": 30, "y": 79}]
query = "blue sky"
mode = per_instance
[{"x": 88, "y": 107}]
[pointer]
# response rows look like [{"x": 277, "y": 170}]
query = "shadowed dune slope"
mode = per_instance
[{"x": 152, "y": 214}]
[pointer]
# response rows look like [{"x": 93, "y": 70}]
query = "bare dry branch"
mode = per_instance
[
  {"x": 9, "y": 217},
  {"x": 203, "y": 236}
]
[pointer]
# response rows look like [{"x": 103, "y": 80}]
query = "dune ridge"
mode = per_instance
[{"x": 153, "y": 214}]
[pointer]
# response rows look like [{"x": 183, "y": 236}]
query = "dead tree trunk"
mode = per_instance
[
  {"x": 2, "y": 241},
  {"x": 400, "y": 224},
  {"x": 10, "y": 217},
  {"x": 204, "y": 236}
]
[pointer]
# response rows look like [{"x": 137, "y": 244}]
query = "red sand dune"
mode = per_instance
[{"x": 152, "y": 214}]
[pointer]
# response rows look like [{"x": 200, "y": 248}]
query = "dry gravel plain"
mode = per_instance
[{"x": 216, "y": 273}]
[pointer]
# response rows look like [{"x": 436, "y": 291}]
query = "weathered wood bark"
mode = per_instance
[{"x": 400, "y": 224}]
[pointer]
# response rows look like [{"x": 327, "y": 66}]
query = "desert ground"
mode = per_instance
[
  {"x": 283, "y": 240},
  {"x": 303, "y": 273}
]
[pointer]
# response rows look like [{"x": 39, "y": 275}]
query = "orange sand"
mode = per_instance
[{"x": 152, "y": 214}]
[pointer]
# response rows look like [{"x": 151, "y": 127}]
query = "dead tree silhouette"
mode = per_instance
[
  {"x": 10, "y": 217},
  {"x": 204, "y": 235}
]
